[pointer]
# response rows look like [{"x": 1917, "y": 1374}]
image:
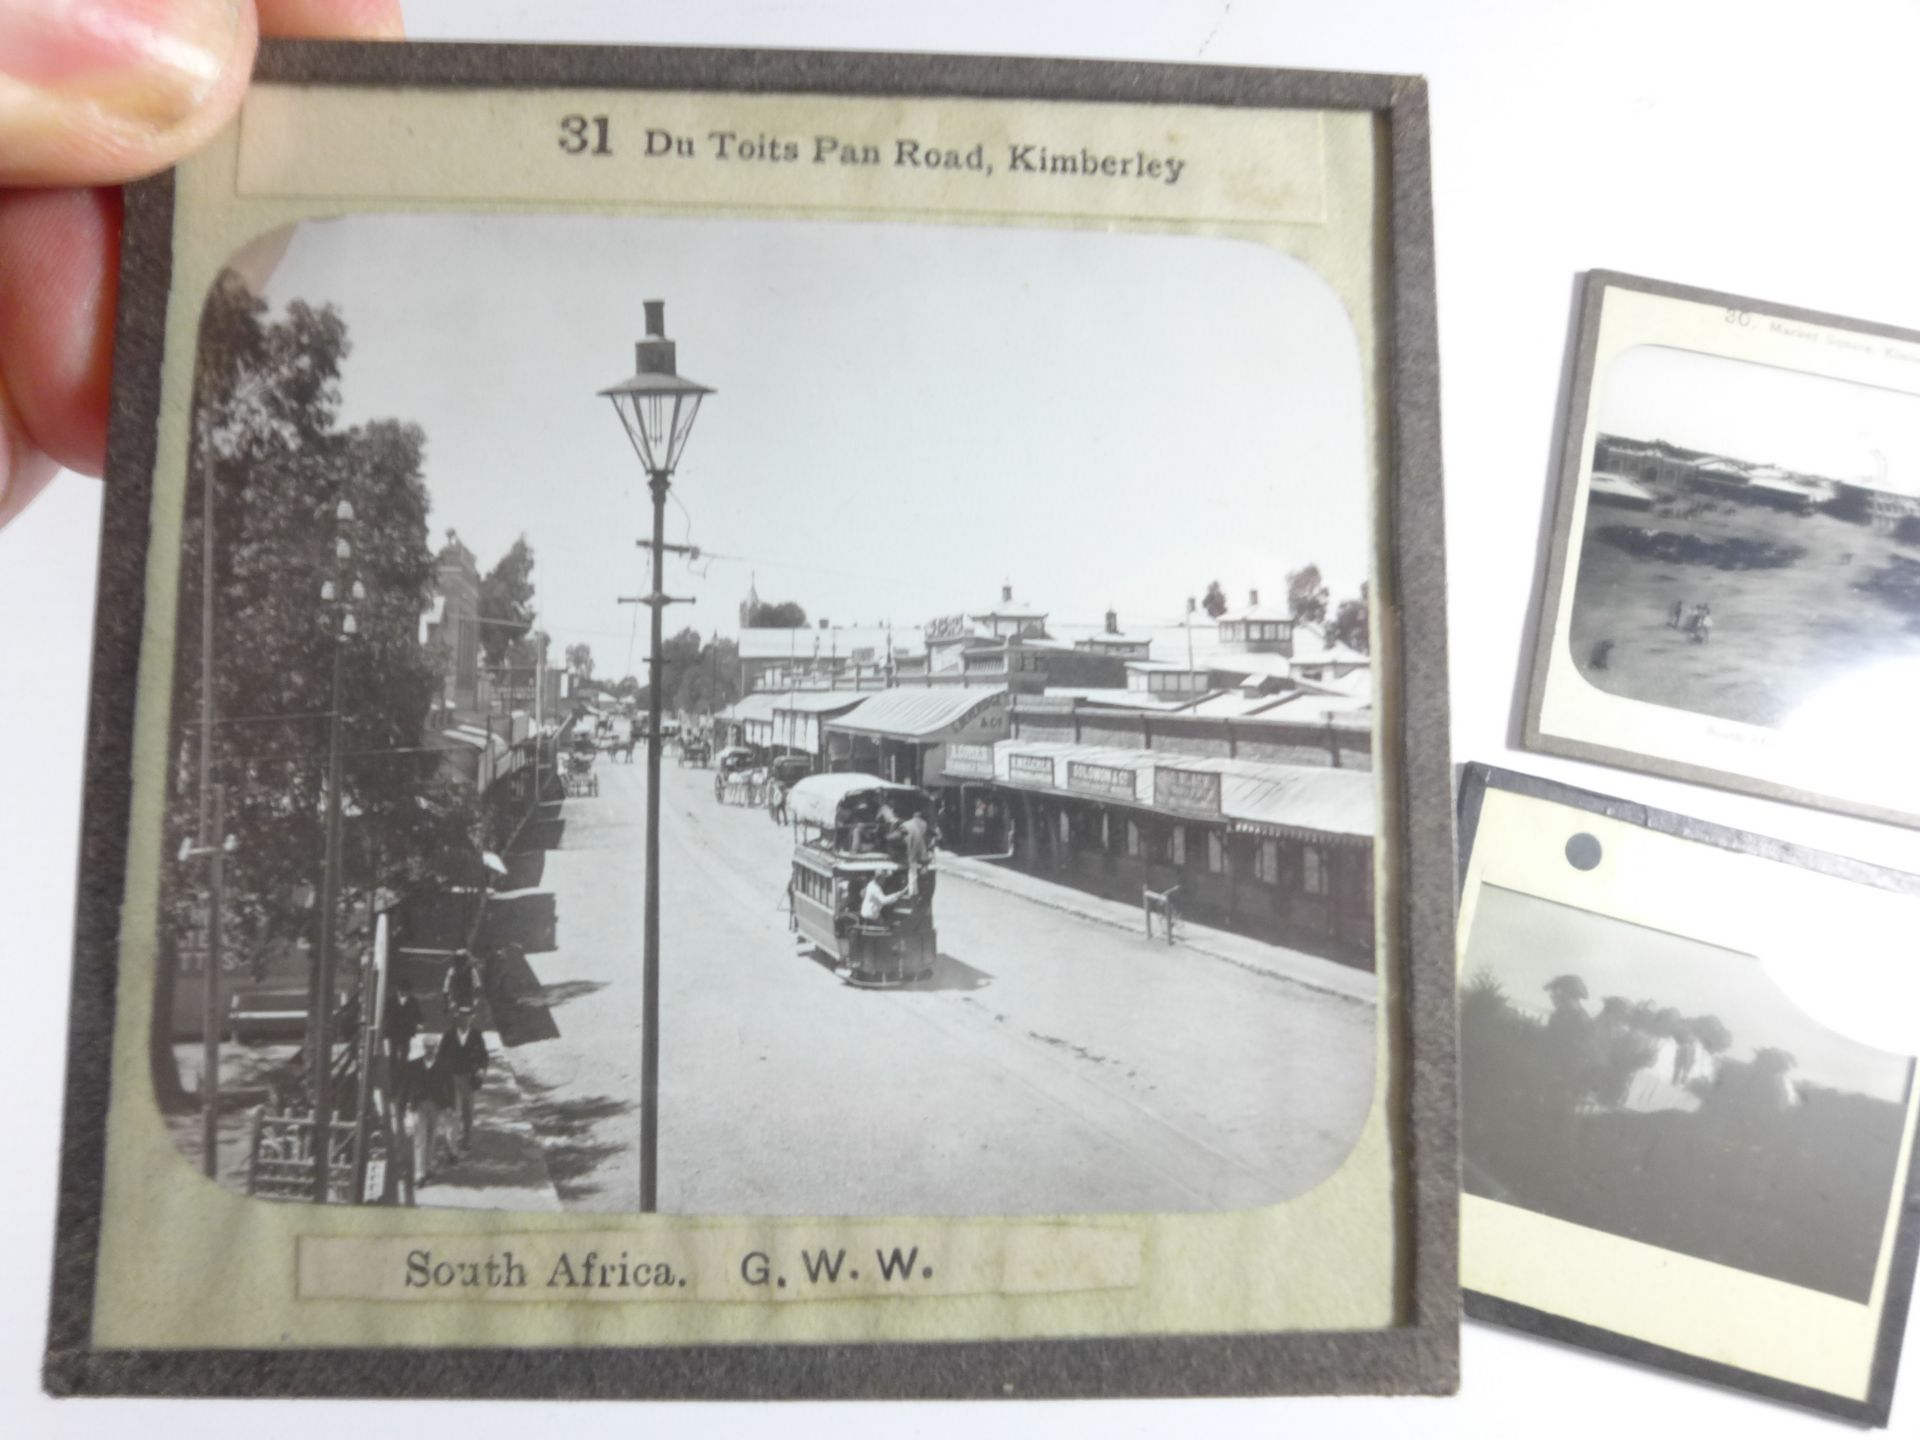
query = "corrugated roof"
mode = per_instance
[
  {"x": 1254, "y": 795},
  {"x": 1299, "y": 797},
  {"x": 1233, "y": 705},
  {"x": 1241, "y": 662},
  {"x": 911, "y": 713},
  {"x": 1263, "y": 613},
  {"x": 1172, "y": 666},
  {"x": 822, "y": 702},
  {"x": 757, "y": 706},
  {"x": 1112, "y": 696},
  {"x": 1334, "y": 654}
]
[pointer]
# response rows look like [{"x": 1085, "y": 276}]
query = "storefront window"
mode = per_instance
[
  {"x": 1177, "y": 845},
  {"x": 1313, "y": 870},
  {"x": 1216, "y": 853},
  {"x": 1066, "y": 829},
  {"x": 1106, "y": 831},
  {"x": 1133, "y": 839},
  {"x": 1266, "y": 862}
]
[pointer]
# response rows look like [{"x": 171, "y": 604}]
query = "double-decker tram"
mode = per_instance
[{"x": 863, "y": 876}]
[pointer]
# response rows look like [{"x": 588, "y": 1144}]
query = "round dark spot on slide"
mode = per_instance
[{"x": 1583, "y": 851}]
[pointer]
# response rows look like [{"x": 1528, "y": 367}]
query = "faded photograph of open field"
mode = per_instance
[
  {"x": 1752, "y": 541},
  {"x": 1670, "y": 1092}
]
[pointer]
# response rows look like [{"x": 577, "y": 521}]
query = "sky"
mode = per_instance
[
  {"x": 907, "y": 417},
  {"x": 1526, "y": 941},
  {"x": 1763, "y": 414}
]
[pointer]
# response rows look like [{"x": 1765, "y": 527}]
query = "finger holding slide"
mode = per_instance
[{"x": 94, "y": 93}]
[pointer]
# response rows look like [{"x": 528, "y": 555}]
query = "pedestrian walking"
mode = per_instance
[
  {"x": 462, "y": 1056},
  {"x": 429, "y": 1101},
  {"x": 402, "y": 1022},
  {"x": 1674, "y": 617}
]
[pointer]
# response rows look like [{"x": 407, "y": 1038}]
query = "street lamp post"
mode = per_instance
[
  {"x": 338, "y": 596},
  {"x": 657, "y": 407}
]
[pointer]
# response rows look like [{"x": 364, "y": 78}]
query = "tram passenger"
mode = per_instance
[
  {"x": 874, "y": 900},
  {"x": 919, "y": 842}
]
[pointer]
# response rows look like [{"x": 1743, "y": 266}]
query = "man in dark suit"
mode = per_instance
[
  {"x": 400, "y": 1024},
  {"x": 462, "y": 1059}
]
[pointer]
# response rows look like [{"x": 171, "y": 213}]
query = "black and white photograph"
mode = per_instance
[
  {"x": 1752, "y": 547},
  {"x": 1687, "y": 1136},
  {"x": 1732, "y": 588},
  {"x": 1669, "y": 1092},
  {"x": 770, "y": 717}
]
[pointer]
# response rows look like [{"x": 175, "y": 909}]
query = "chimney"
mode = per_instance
[
  {"x": 1006, "y": 594},
  {"x": 1253, "y": 599},
  {"x": 1113, "y": 622},
  {"x": 654, "y": 355}
]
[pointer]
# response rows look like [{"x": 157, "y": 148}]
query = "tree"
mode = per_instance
[
  {"x": 781, "y": 615},
  {"x": 1352, "y": 623},
  {"x": 1307, "y": 595},
  {"x": 707, "y": 679},
  {"x": 1215, "y": 603},
  {"x": 265, "y": 436},
  {"x": 580, "y": 660},
  {"x": 506, "y": 602}
]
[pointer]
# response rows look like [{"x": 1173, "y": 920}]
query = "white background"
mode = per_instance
[{"x": 1763, "y": 149}]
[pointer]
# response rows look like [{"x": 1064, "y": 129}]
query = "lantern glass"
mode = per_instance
[{"x": 658, "y": 423}]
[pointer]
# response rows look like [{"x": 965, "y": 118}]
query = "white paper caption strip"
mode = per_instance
[{"x": 748, "y": 1264}]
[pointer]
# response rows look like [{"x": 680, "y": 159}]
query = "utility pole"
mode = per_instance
[
  {"x": 320, "y": 1000},
  {"x": 320, "y": 1051}
]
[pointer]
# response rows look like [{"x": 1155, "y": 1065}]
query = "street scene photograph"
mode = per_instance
[
  {"x": 767, "y": 717},
  {"x": 1669, "y": 1092},
  {"x": 1752, "y": 542}
]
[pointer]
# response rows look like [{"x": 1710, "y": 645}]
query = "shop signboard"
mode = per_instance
[
  {"x": 971, "y": 760},
  {"x": 1031, "y": 769},
  {"x": 1186, "y": 792},
  {"x": 1109, "y": 781}
]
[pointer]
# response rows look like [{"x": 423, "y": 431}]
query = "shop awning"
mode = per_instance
[
  {"x": 916, "y": 714},
  {"x": 1253, "y": 797}
]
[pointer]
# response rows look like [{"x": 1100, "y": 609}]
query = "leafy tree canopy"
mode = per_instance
[
  {"x": 1215, "y": 603},
  {"x": 775, "y": 615},
  {"x": 1307, "y": 595},
  {"x": 1350, "y": 625},
  {"x": 506, "y": 602}
]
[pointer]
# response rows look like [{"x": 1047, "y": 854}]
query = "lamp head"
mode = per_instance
[{"x": 657, "y": 404}]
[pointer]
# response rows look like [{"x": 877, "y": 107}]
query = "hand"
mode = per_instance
[{"x": 94, "y": 93}]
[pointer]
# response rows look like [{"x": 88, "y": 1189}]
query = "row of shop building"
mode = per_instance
[{"x": 1261, "y": 825}]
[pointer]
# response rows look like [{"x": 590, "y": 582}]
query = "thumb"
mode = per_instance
[{"x": 94, "y": 92}]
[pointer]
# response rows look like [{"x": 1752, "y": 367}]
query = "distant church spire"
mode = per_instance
[{"x": 752, "y": 602}]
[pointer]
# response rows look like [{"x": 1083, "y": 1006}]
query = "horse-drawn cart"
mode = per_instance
[
  {"x": 739, "y": 778},
  {"x": 579, "y": 768}
]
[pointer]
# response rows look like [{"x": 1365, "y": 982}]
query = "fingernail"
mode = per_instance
[{"x": 148, "y": 61}]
